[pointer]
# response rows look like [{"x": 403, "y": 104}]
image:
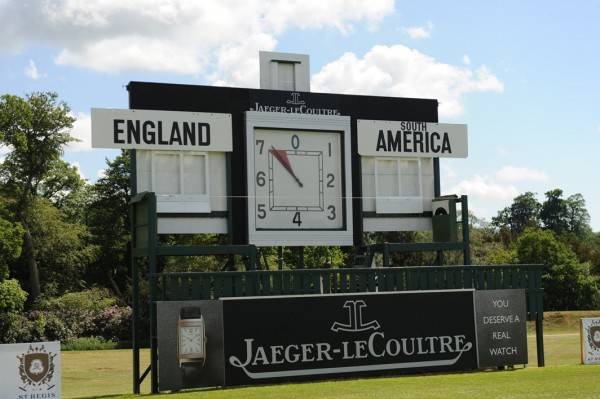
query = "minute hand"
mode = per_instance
[{"x": 283, "y": 159}]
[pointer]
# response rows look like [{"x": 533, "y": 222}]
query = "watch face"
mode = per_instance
[
  {"x": 298, "y": 179},
  {"x": 191, "y": 340}
]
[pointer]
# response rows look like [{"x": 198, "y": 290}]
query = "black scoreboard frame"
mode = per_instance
[{"x": 236, "y": 101}]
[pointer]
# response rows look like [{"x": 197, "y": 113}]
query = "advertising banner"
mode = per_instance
[
  {"x": 310, "y": 337},
  {"x": 501, "y": 319},
  {"x": 30, "y": 370},
  {"x": 258, "y": 340},
  {"x": 590, "y": 340}
]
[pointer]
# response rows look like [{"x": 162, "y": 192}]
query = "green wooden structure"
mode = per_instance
[{"x": 215, "y": 285}]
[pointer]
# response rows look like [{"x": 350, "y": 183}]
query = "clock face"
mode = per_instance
[
  {"x": 191, "y": 341},
  {"x": 298, "y": 179}
]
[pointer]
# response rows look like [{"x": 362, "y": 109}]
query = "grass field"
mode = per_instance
[{"x": 99, "y": 374}]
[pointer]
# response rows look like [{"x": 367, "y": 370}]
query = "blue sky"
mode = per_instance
[{"x": 522, "y": 75}]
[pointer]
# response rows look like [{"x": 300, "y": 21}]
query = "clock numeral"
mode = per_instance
[
  {"x": 260, "y": 143},
  {"x": 296, "y": 219},
  {"x": 331, "y": 216},
  {"x": 329, "y": 148},
  {"x": 260, "y": 178},
  {"x": 331, "y": 178},
  {"x": 295, "y": 141},
  {"x": 262, "y": 212}
]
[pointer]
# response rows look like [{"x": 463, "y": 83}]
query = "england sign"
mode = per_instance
[{"x": 161, "y": 130}]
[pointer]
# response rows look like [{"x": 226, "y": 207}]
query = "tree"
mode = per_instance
[
  {"x": 64, "y": 250},
  {"x": 108, "y": 220},
  {"x": 568, "y": 284},
  {"x": 35, "y": 129},
  {"x": 565, "y": 215},
  {"x": 554, "y": 212},
  {"x": 578, "y": 217},
  {"x": 524, "y": 212}
]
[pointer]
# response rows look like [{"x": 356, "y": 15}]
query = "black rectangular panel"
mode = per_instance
[
  {"x": 273, "y": 339},
  {"x": 501, "y": 327},
  {"x": 194, "y": 98}
]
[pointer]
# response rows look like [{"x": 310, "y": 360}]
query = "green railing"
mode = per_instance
[{"x": 209, "y": 285}]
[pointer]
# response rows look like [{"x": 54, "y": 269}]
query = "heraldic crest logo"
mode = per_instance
[
  {"x": 36, "y": 368},
  {"x": 593, "y": 335}
]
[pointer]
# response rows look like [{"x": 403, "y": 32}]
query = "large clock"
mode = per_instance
[{"x": 299, "y": 179}]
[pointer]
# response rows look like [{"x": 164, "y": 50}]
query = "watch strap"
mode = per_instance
[{"x": 190, "y": 312}]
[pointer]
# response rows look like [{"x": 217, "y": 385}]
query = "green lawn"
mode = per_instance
[{"x": 95, "y": 374}]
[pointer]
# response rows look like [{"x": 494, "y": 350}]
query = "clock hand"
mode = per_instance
[{"x": 282, "y": 157}]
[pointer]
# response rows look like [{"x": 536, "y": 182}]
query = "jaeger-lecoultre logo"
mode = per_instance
[
  {"x": 355, "y": 319},
  {"x": 295, "y": 99},
  {"x": 293, "y": 105}
]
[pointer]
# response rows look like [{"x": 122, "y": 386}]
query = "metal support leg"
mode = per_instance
[
  {"x": 280, "y": 258},
  {"x": 301, "y": 257},
  {"x": 539, "y": 339},
  {"x": 135, "y": 326},
  {"x": 386, "y": 255},
  {"x": 465, "y": 229}
]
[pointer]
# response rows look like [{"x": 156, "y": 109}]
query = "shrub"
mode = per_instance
[
  {"x": 16, "y": 327},
  {"x": 88, "y": 344},
  {"x": 113, "y": 323},
  {"x": 89, "y": 313},
  {"x": 73, "y": 314},
  {"x": 12, "y": 296}
]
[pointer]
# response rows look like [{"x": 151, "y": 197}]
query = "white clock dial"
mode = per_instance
[
  {"x": 298, "y": 179},
  {"x": 191, "y": 341}
]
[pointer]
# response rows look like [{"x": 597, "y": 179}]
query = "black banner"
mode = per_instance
[
  {"x": 274, "y": 339},
  {"x": 501, "y": 319}
]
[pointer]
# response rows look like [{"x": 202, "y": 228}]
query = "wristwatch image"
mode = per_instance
[{"x": 191, "y": 342}]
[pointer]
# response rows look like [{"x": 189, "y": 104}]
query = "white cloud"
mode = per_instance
[
  {"x": 401, "y": 71},
  {"x": 101, "y": 173},
  {"x": 489, "y": 193},
  {"x": 419, "y": 32},
  {"x": 77, "y": 166},
  {"x": 466, "y": 59},
  {"x": 31, "y": 71},
  {"x": 485, "y": 187},
  {"x": 181, "y": 36},
  {"x": 515, "y": 174},
  {"x": 82, "y": 130},
  {"x": 448, "y": 172}
]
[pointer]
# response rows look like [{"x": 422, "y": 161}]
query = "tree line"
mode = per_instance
[{"x": 64, "y": 259}]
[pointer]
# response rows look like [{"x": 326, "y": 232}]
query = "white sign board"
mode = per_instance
[
  {"x": 161, "y": 130},
  {"x": 30, "y": 370},
  {"x": 411, "y": 139},
  {"x": 590, "y": 340}
]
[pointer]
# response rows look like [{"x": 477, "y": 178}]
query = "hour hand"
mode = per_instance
[{"x": 283, "y": 159}]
